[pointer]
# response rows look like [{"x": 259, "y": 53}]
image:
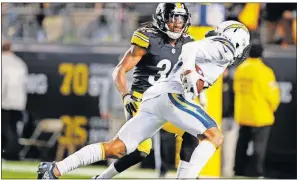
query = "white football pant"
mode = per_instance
[{"x": 152, "y": 114}]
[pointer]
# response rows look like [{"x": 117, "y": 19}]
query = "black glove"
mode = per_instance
[
  {"x": 211, "y": 33},
  {"x": 130, "y": 103}
]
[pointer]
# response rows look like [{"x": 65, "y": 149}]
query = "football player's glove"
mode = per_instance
[
  {"x": 130, "y": 103},
  {"x": 189, "y": 84}
]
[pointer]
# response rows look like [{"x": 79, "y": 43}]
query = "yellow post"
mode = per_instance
[
  {"x": 250, "y": 15},
  {"x": 214, "y": 109}
]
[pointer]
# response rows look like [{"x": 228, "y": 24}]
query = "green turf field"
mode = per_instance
[
  {"x": 27, "y": 170},
  {"x": 30, "y": 175}
]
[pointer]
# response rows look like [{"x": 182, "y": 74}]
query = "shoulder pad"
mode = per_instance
[
  {"x": 140, "y": 38},
  {"x": 149, "y": 30}
]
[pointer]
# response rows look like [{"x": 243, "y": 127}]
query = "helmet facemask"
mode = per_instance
[
  {"x": 169, "y": 13},
  {"x": 242, "y": 56}
]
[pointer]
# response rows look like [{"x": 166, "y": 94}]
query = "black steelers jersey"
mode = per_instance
[{"x": 159, "y": 60}]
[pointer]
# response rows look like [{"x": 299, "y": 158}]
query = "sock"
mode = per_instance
[
  {"x": 109, "y": 172},
  {"x": 189, "y": 144},
  {"x": 200, "y": 157},
  {"x": 129, "y": 160},
  {"x": 85, "y": 156},
  {"x": 182, "y": 167},
  {"x": 123, "y": 163}
]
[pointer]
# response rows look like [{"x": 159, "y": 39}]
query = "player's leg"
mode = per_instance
[
  {"x": 129, "y": 160},
  {"x": 194, "y": 120},
  {"x": 189, "y": 143},
  {"x": 126, "y": 141},
  {"x": 87, "y": 155}
]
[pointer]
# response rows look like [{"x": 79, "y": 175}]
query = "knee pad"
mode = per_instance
[
  {"x": 189, "y": 143},
  {"x": 145, "y": 146}
]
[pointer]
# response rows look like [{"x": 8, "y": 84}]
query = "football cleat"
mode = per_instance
[{"x": 45, "y": 170}]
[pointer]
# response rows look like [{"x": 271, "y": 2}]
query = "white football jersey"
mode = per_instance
[{"x": 211, "y": 54}]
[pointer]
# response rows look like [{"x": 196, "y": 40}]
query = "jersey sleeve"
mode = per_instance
[{"x": 140, "y": 38}]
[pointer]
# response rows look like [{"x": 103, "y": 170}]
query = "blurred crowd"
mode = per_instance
[{"x": 95, "y": 23}]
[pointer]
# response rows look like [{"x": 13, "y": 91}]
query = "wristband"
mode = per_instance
[{"x": 125, "y": 95}]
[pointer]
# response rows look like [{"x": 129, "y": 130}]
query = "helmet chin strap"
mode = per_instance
[{"x": 174, "y": 35}]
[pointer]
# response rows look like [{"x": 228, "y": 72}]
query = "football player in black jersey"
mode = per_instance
[{"x": 155, "y": 48}]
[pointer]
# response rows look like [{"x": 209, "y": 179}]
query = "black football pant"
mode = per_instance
[{"x": 9, "y": 135}]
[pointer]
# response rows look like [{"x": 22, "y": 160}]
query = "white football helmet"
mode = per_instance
[{"x": 238, "y": 34}]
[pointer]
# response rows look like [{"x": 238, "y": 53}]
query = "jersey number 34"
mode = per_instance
[{"x": 163, "y": 72}]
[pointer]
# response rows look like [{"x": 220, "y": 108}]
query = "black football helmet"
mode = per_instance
[{"x": 166, "y": 12}]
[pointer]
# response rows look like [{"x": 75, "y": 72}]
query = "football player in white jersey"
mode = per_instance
[{"x": 171, "y": 99}]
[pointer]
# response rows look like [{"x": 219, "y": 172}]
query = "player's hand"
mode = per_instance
[
  {"x": 130, "y": 103},
  {"x": 189, "y": 83}
]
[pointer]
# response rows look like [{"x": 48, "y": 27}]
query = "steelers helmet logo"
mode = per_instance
[{"x": 179, "y": 5}]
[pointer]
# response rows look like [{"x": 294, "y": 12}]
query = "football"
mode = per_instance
[{"x": 200, "y": 83}]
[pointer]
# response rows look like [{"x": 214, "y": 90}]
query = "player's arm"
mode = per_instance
[
  {"x": 140, "y": 43},
  {"x": 189, "y": 77},
  {"x": 188, "y": 57},
  {"x": 132, "y": 56}
]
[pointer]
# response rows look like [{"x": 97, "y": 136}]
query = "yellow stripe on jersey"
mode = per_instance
[
  {"x": 140, "y": 40},
  {"x": 137, "y": 94},
  {"x": 141, "y": 35}
]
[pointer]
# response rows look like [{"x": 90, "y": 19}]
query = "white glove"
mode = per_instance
[{"x": 189, "y": 84}]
